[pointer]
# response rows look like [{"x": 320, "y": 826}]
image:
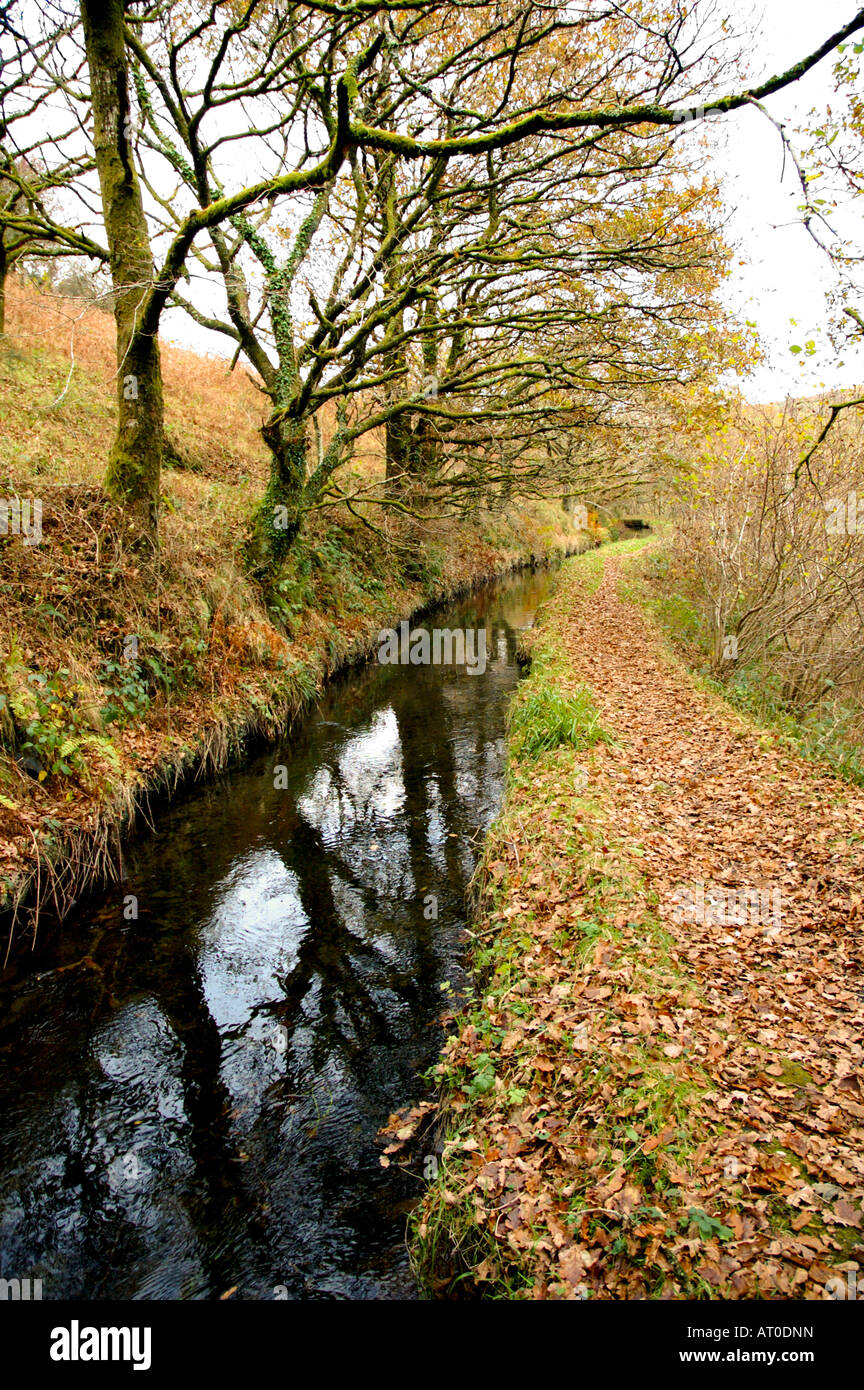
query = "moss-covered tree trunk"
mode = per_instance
[
  {"x": 279, "y": 516},
  {"x": 136, "y": 455},
  {"x": 397, "y": 432},
  {"x": 4, "y": 275},
  {"x": 425, "y": 452},
  {"x": 412, "y": 444}
]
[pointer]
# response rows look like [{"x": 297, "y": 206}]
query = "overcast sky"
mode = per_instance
[{"x": 785, "y": 275}]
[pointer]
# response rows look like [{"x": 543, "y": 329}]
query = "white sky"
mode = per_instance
[{"x": 785, "y": 275}]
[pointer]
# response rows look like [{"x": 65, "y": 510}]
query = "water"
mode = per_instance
[{"x": 190, "y": 1100}]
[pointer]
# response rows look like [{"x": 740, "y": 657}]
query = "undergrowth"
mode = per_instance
[{"x": 828, "y": 732}]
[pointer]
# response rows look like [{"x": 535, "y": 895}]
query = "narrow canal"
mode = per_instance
[{"x": 189, "y": 1098}]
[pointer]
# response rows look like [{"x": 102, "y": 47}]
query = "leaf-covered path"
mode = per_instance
[{"x": 673, "y": 1011}]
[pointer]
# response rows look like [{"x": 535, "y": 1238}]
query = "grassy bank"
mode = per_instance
[
  {"x": 120, "y": 674},
  {"x": 633, "y": 1102}
]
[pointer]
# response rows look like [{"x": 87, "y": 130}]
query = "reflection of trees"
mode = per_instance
[
  {"x": 348, "y": 973},
  {"x": 215, "y": 1200},
  {"x": 71, "y": 1091},
  {"x": 355, "y": 1001},
  {"x": 348, "y": 977}
]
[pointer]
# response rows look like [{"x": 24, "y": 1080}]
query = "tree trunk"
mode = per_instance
[
  {"x": 396, "y": 442},
  {"x": 398, "y": 428},
  {"x": 4, "y": 275},
  {"x": 136, "y": 455},
  {"x": 412, "y": 449},
  {"x": 424, "y": 451},
  {"x": 412, "y": 444},
  {"x": 426, "y": 431},
  {"x": 277, "y": 521}
]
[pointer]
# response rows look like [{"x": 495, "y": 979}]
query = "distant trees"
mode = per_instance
[{"x": 44, "y": 160}]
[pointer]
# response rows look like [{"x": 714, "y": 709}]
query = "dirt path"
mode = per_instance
[
  {"x": 693, "y": 1081},
  {"x": 714, "y": 802}
]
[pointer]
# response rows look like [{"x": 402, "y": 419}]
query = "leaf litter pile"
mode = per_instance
[{"x": 659, "y": 1089}]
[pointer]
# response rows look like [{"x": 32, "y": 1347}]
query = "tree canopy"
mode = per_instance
[{"x": 485, "y": 234}]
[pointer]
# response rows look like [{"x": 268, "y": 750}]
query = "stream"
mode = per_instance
[{"x": 190, "y": 1097}]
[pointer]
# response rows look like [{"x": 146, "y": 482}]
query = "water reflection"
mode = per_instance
[{"x": 190, "y": 1100}]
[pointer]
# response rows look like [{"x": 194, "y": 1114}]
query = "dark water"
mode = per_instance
[{"x": 189, "y": 1101}]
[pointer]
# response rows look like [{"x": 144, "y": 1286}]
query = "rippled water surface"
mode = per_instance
[{"x": 189, "y": 1101}]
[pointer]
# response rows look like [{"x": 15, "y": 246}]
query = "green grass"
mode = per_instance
[
  {"x": 542, "y": 718},
  {"x": 591, "y": 565}
]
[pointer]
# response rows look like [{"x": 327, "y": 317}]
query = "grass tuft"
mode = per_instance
[{"x": 542, "y": 718}]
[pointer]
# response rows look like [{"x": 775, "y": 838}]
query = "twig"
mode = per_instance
[
  {"x": 38, "y": 887},
  {"x": 805, "y": 461}
]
